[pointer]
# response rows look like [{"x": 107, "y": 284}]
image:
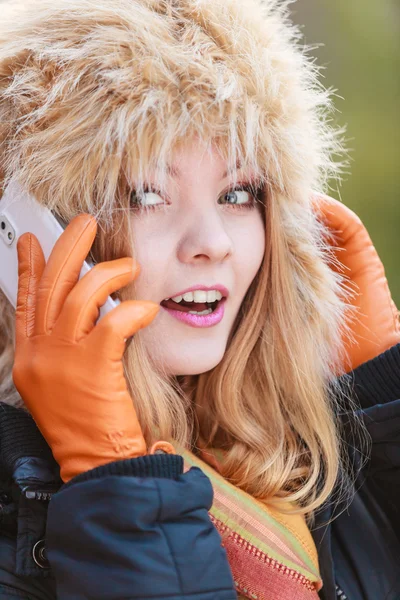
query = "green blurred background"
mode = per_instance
[{"x": 359, "y": 48}]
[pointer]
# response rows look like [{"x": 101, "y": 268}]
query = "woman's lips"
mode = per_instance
[{"x": 199, "y": 320}]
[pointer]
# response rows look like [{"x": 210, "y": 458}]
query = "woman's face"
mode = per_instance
[{"x": 198, "y": 235}]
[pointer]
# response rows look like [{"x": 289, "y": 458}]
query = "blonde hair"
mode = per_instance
[{"x": 95, "y": 92}]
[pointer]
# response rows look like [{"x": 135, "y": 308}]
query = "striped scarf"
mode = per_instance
[{"x": 272, "y": 556}]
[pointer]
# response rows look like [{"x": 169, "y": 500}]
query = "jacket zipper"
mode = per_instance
[
  {"x": 44, "y": 495},
  {"x": 38, "y": 495},
  {"x": 340, "y": 594}
]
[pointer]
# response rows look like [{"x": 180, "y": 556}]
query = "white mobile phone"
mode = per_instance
[{"x": 21, "y": 213}]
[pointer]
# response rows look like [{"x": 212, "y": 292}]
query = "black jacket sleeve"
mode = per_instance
[
  {"x": 376, "y": 386},
  {"x": 360, "y": 549},
  {"x": 137, "y": 529}
]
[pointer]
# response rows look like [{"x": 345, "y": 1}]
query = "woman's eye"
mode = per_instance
[
  {"x": 145, "y": 199},
  {"x": 239, "y": 198}
]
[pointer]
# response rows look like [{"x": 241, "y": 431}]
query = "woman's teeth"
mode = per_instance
[
  {"x": 199, "y": 296},
  {"x": 203, "y": 312},
  {"x": 200, "y": 300}
]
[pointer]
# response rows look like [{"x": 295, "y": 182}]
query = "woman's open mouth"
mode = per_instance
[
  {"x": 196, "y": 314},
  {"x": 204, "y": 308}
]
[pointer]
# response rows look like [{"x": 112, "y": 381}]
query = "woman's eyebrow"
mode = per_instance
[{"x": 174, "y": 171}]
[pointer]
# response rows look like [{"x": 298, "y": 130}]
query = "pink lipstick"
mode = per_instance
[{"x": 199, "y": 320}]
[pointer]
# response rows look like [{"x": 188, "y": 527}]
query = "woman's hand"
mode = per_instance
[
  {"x": 375, "y": 325},
  {"x": 67, "y": 369}
]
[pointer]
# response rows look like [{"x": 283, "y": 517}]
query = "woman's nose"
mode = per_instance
[{"x": 205, "y": 237}]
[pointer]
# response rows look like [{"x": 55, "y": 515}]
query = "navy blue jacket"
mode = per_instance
[{"x": 140, "y": 528}]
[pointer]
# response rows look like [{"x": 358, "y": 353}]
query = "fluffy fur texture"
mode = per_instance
[{"x": 93, "y": 92}]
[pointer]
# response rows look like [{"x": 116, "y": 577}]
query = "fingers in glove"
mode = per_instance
[
  {"x": 339, "y": 218},
  {"x": 31, "y": 264},
  {"x": 81, "y": 309},
  {"x": 62, "y": 270},
  {"x": 120, "y": 324},
  {"x": 355, "y": 250}
]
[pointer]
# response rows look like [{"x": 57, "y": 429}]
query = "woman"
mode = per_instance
[{"x": 151, "y": 118}]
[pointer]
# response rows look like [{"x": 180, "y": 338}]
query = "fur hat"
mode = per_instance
[{"x": 90, "y": 82}]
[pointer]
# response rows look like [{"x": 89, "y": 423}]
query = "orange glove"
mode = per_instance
[
  {"x": 375, "y": 325},
  {"x": 68, "y": 369}
]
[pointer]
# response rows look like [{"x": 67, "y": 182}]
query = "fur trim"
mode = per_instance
[{"x": 88, "y": 79}]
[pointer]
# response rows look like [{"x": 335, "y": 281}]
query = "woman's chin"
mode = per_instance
[{"x": 195, "y": 365}]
